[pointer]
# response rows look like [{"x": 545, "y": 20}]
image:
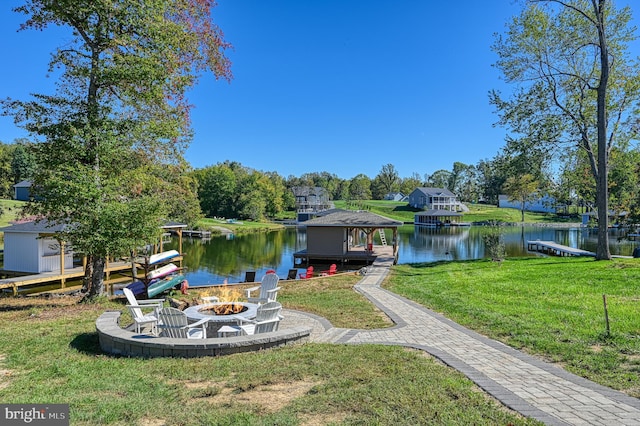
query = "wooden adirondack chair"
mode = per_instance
[
  {"x": 331, "y": 271},
  {"x": 308, "y": 274},
  {"x": 267, "y": 319}
]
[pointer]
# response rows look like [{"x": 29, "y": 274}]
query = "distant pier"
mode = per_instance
[
  {"x": 550, "y": 247},
  {"x": 196, "y": 233}
]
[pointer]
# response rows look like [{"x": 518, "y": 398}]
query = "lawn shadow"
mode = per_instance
[
  {"x": 442, "y": 262},
  {"x": 87, "y": 343},
  {"x": 14, "y": 308}
]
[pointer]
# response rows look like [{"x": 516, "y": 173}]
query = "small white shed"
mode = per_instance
[{"x": 30, "y": 247}]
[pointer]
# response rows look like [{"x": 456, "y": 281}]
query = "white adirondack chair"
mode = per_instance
[
  {"x": 267, "y": 319},
  {"x": 174, "y": 323},
  {"x": 268, "y": 290},
  {"x": 139, "y": 317}
]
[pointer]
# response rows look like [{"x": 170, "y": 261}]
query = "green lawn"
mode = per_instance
[
  {"x": 237, "y": 227},
  {"x": 10, "y": 211},
  {"x": 552, "y": 307},
  {"x": 50, "y": 354},
  {"x": 478, "y": 212}
]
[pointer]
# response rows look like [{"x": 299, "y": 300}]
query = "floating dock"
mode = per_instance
[
  {"x": 196, "y": 234},
  {"x": 550, "y": 247}
]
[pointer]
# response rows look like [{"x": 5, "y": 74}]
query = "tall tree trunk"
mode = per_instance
[
  {"x": 88, "y": 272},
  {"x": 602, "y": 182},
  {"x": 93, "y": 281},
  {"x": 602, "y": 249},
  {"x": 98, "y": 275}
]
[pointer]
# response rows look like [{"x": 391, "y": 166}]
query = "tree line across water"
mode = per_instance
[{"x": 229, "y": 189}]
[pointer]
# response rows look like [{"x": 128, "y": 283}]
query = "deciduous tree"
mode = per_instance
[
  {"x": 523, "y": 189},
  {"x": 360, "y": 187},
  {"x": 575, "y": 83},
  {"x": 385, "y": 182},
  {"x": 119, "y": 119},
  {"x": 439, "y": 179},
  {"x": 23, "y": 163},
  {"x": 407, "y": 185}
]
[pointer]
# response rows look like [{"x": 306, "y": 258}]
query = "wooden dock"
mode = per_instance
[
  {"x": 54, "y": 277},
  {"x": 196, "y": 234},
  {"x": 357, "y": 254},
  {"x": 550, "y": 247}
]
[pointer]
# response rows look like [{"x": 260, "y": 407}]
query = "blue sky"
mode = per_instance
[{"x": 342, "y": 86}]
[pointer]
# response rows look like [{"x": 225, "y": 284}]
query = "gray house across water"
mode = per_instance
[
  {"x": 440, "y": 207},
  {"x": 310, "y": 201}
]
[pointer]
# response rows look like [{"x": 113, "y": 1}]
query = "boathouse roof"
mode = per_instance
[
  {"x": 438, "y": 213},
  {"x": 352, "y": 219},
  {"x": 173, "y": 225}
]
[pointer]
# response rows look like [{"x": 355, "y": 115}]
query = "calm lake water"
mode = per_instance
[{"x": 220, "y": 259}]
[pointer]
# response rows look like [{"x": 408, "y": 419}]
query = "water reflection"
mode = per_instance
[{"x": 220, "y": 259}]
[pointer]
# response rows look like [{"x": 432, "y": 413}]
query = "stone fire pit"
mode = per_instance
[{"x": 198, "y": 312}]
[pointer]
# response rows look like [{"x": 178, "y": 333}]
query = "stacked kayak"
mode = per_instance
[
  {"x": 154, "y": 259},
  {"x": 156, "y": 286},
  {"x": 162, "y": 272},
  {"x": 160, "y": 279}
]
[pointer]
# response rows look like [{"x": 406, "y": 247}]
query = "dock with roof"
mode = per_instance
[{"x": 348, "y": 236}]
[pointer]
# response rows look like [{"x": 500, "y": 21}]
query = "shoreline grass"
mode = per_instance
[
  {"x": 478, "y": 213},
  {"x": 550, "y": 307},
  {"x": 238, "y": 228}
]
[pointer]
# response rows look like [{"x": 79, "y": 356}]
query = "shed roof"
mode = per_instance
[
  {"x": 352, "y": 219},
  {"x": 35, "y": 227},
  {"x": 23, "y": 184}
]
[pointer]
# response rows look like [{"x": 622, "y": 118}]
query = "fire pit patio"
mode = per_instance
[
  {"x": 207, "y": 310},
  {"x": 125, "y": 342}
]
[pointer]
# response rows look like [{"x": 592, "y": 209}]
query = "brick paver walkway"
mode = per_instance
[{"x": 523, "y": 383}]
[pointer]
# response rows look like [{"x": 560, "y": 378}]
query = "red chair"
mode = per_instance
[
  {"x": 331, "y": 271},
  {"x": 308, "y": 274}
]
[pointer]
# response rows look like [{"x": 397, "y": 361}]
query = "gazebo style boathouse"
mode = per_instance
[{"x": 347, "y": 236}]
